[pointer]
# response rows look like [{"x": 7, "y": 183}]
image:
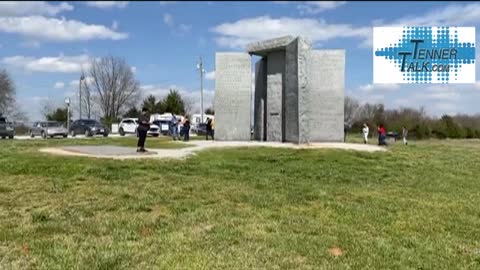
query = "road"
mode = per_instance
[{"x": 26, "y": 137}]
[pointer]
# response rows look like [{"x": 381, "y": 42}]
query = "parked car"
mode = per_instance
[
  {"x": 164, "y": 126},
  {"x": 7, "y": 129},
  {"x": 201, "y": 129},
  {"x": 88, "y": 127},
  {"x": 394, "y": 135},
  {"x": 50, "y": 128},
  {"x": 129, "y": 125}
]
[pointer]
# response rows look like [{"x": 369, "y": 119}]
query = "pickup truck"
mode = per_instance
[{"x": 7, "y": 129}]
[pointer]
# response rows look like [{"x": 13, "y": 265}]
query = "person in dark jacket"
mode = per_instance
[
  {"x": 186, "y": 130},
  {"x": 209, "y": 128},
  {"x": 142, "y": 129}
]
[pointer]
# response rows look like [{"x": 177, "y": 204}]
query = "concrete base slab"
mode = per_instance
[{"x": 117, "y": 152}]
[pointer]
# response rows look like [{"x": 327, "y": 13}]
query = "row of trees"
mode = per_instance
[
  {"x": 172, "y": 103},
  {"x": 416, "y": 121}
]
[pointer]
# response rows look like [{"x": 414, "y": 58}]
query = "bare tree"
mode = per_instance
[
  {"x": 351, "y": 109},
  {"x": 7, "y": 92},
  {"x": 114, "y": 85},
  {"x": 87, "y": 96}
]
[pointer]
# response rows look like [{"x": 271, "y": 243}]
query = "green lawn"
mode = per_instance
[{"x": 415, "y": 207}]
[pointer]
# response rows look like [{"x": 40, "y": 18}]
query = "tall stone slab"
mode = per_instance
[
  {"x": 323, "y": 101},
  {"x": 275, "y": 88},
  {"x": 233, "y": 81},
  {"x": 296, "y": 115},
  {"x": 259, "y": 110}
]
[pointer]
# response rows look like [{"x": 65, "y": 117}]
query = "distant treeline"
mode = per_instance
[{"x": 419, "y": 124}]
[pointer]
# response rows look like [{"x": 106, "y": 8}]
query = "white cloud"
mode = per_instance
[
  {"x": 369, "y": 88},
  {"x": 134, "y": 69},
  {"x": 59, "y": 85},
  {"x": 75, "y": 83},
  {"x": 238, "y": 34},
  {"x": 445, "y": 93},
  {"x": 178, "y": 29},
  {"x": 114, "y": 25},
  {"x": 57, "y": 29},
  {"x": 163, "y": 3},
  {"x": 30, "y": 44},
  {"x": 63, "y": 64},
  {"x": 210, "y": 75},
  {"x": 21, "y": 8},
  {"x": 37, "y": 99},
  {"x": 314, "y": 7},
  {"x": 107, "y": 4},
  {"x": 454, "y": 14},
  {"x": 185, "y": 27},
  {"x": 168, "y": 19}
]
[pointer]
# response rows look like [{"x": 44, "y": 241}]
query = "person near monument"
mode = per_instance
[
  {"x": 382, "y": 133},
  {"x": 186, "y": 130},
  {"x": 404, "y": 135},
  {"x": 143, "y": 127},
  {"x": 209, "y": 128},
  {"x": 365, "y": 133},
  {"x": 213, "y": 128},
  {"x": 174, "y": 127}
]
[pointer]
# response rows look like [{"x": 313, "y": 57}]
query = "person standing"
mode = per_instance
[
  {"x": 404, "y": 135},
  {"x": 382, "y": 133},
  {"x": 186, "y": 130},
  {"x": 365, "y": 133},
  {"x": 142, "y": 129},
  {"x": 174, "y": 127},
  {"x": 213, "y": 128},
  {"x": 209, "y": 128}
]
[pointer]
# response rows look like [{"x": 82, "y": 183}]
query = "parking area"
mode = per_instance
[{"x": 27, "y": 137}]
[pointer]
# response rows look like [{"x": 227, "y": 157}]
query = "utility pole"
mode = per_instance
[
  {"x": 202, "y": 71},
  {"x": 80, "y": 94}
]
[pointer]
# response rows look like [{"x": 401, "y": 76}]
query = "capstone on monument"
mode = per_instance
[{"x": 299, "y": 93}]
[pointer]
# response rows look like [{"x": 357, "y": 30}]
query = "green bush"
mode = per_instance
[
  {"x": 469, "y": 133},
  {"x": 422, "y": 131}
]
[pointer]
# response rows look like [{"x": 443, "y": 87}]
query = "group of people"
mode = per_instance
[
  {"x": 382, "y": 134},
  {"x": 177, "y": 129}
]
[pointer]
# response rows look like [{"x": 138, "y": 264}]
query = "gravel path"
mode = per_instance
[{"x": 118, "y": 152}]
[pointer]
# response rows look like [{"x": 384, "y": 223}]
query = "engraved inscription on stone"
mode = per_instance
[
  {"x": 326, "y": 82},
  {"x": 232, "y": 96}
]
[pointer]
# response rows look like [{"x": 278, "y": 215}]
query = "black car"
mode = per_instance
[
  {"x": 201, "y": 129},
  {"x": 394, "y": 135},
  {"x": 7, "y": 129},
  {"x": 88, "y": 127}
]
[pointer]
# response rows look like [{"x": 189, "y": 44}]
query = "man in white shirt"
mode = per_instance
[{"x": 365, "y": 133}]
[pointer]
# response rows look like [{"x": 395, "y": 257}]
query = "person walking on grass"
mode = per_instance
[
  {"x": 382, "y": 133},
  {"x": 174, "y": 127},
  {"x": 365, "y": 133},
  {"x": 404, "y": 135},
  {"x": 213, "y": 128},
  {"x": 209, "y": 128},
  {"x": 143, "y": 127},
  {"x": 186, "y": 130}
]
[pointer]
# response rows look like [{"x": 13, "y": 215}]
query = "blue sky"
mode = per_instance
[{"x": 45, "y": 44}]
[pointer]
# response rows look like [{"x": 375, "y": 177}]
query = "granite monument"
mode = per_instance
[{"x": 299, "y": 93}]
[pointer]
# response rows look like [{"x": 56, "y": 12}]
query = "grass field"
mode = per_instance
[{"x": 415, "y": 207}]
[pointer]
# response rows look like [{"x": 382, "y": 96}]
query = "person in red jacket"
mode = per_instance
[{"x": 382, "y": 134}]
